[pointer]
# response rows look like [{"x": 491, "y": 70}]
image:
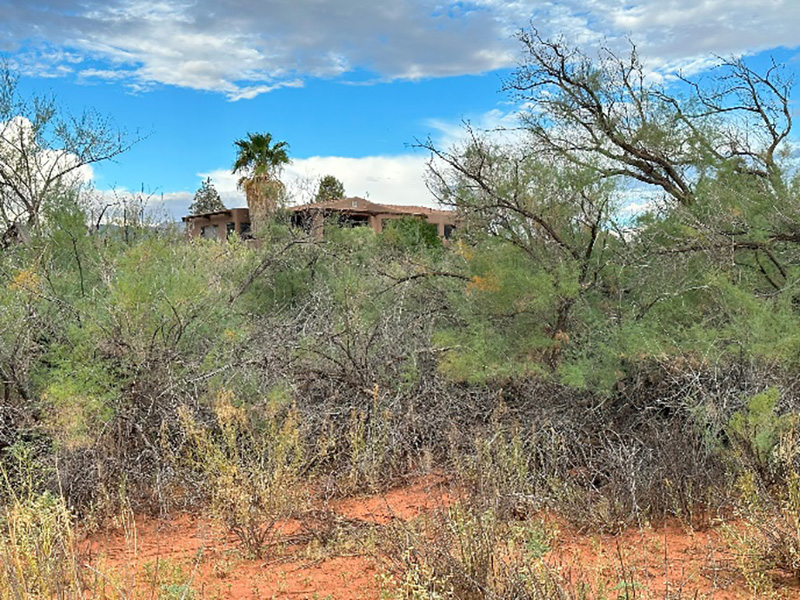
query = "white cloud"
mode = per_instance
[
  {"x": 243, "y": 48},
  {"x": 249, "y": 92},
  {"x": 19, "y": 145},
  {"x": 383, "y": 179},
  {"x": 639, "y": 202}
]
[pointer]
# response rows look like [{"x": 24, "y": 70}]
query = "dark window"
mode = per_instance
[
  {"x": 347, "y": 220},
  {"x": 448, "y": 231},
  {"x": 230, "y": 228},
  {"x": 244, "y": 230},
  {"x": 302, "y": 220}
]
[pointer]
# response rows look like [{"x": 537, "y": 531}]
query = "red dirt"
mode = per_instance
[
  {"x": 663, "y": 562},
  {"x": 668, "y": 561}
]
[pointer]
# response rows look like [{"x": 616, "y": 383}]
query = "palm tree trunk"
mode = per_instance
[{"x": 263, "y": 194}]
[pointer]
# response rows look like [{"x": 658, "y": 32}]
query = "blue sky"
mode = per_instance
[{"x": 348, "y": 83}]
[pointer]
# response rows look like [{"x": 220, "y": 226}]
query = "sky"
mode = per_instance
[{"x": 351, "y": 85}]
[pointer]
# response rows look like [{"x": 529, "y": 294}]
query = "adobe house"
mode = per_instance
[
  {"x": 219, "y": 225},
  {"x": 355, "y": 212},
  {"x": 348, "y": 212}
]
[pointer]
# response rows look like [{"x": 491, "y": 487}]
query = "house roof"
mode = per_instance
[
  {"x": 353, "y": 204},
  {"x": 356, "y": 204},
  {"x": 227, "y": 211},
  {"x": 420, "y": 209}
]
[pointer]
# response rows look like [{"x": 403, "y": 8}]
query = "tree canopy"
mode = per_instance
[
  {"x": 43, "y": 148},
  {"x": 260, "y": 161},
  {"x": 330, "y": 188},
  {"x": 568, "y": 272},
  {"x": 258, "y": 155},
  {"x": 206, "y": 199}
]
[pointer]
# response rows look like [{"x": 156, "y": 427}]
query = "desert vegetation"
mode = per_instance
[{"x": 563, "y": 360}]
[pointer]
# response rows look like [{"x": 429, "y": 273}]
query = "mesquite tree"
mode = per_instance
[{"x": 44, "y": 149}]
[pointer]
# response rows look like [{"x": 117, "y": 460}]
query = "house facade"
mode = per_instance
[
  {"x": 219, "y": 225},
  {"x": 347, "y": 212},
  {"x": 355, "y": 212}
]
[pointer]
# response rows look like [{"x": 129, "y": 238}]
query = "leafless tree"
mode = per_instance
[
  {"x": 43, "y": 148},
  {"x": 607, "y": 111},
  {"x": 716, "y": 156}
]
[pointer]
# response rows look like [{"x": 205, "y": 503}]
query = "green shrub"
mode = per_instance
[
  {"x": 410, "y": 233},
  {"x": 251, "y": 462}
]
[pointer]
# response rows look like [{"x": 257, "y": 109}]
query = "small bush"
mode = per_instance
[
  {"x": 37, "y": 548},
  {"x": 251, "y": 463},
  {"x": 411, "y": 233},
  {"x": 755, "y": 431},
  {"x": 468, "y": 553}
]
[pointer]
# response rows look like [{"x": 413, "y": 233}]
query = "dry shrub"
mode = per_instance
[
  {"x": 601, "y": 468},
  {"x": 468, "y": 553},
  {"x": 251, "y": 464},
  {"x": 37, "y": 538},
  {"x": 766, "y": 537},
  {"x": 37, "y": 549}
]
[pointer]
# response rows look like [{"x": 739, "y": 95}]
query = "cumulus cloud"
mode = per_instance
[
  {"x": 383, "y": 179},
  {"x": 243, "y": 48},
  {"x": 20, "y": 145}
]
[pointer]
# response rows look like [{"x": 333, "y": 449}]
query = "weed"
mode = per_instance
[
  {"x": 252, "y": 468},
  {"x": 37, "y": 548},
  {"x": 467, "y": 553}
]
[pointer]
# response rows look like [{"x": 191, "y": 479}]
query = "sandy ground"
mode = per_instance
[{"x": 163, "y": 558}]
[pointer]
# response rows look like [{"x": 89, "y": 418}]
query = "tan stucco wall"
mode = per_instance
[{"x": 237, "y": 216}]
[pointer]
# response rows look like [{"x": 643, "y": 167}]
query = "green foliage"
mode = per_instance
[
  {"x": 757, "y": 428},
  {"x": 411, "y": 233},
  {"x": 158, "y": 299},
  {"x": 206, "y": 199},
  {"x": 169, "y": 579},
  {"x": 329, "y": 189},
  {"x": 257, "y": 154},
  {"x": 506, "y": 310}
]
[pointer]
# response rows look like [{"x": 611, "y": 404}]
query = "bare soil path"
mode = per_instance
[{"x": 188, "y": 557}]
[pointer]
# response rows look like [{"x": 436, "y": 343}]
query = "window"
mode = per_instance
[
  {"x": 230, "y": 228},
  {"x": 302, "y": 220},
  {"x": 448, "y": 231},
  {"x": 244, "y": 230},
  {"x": 347, "y": 220},
  {"x": 209, "y": 232}
]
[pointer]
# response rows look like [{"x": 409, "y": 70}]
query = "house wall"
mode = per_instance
[
  {"x": 440, "y": 220},
  {"x": 375, "y": 220},
  {"x": 237, "y": 216}
]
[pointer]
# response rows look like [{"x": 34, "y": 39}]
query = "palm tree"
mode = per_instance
[{"x": 260, "y": 163}]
